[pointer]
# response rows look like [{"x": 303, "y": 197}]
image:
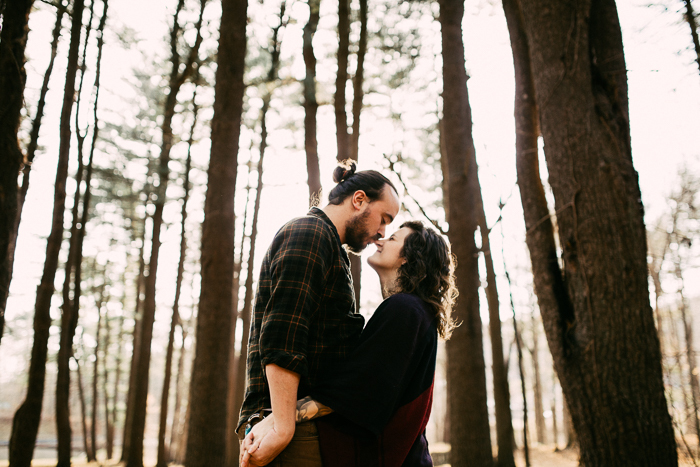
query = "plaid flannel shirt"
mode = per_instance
[{"x": 304, "y": 318}]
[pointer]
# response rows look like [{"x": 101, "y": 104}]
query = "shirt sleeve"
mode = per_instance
[
  {"x": 299, "y": 270},
  {"x": 370, "y": 385}
]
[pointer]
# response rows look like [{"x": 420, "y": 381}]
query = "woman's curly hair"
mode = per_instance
[{"x": 428, "y": 273}]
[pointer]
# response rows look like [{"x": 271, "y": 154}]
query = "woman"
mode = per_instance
[{"x": 379, "y": 401}]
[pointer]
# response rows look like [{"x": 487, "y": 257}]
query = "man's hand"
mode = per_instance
[{"x": 264, "y": 443}]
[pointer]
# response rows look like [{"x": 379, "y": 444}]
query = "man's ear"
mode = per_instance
[{"x": 358, "y": 198}]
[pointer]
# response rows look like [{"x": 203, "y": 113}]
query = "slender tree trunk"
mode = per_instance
[
  {"x": 311, "y": 105},
  {"x": 691, "y": 19},
  {"x": 470, "y": 435},
  {"x": 358, "y": 82},
  {"x": 501, "y": 391},
  {"x": 596, "y": 313},
  {"x": 136, "y": 345},
  {"x": 13, "y": 39},
  {"x": 26, "y": 421},
  {"x": 177, "y": 78},
  {"x": 83, "y": 414},
  {"x": 70, "y": 309},
  {"x": 341, "y": 79},
  {"x": 163, "y": 456},
  {"x": 356, "y": 261},
  {"x": 105, "y": 384},
  {"x": 540, "y": 427},
  {"x": 96, "y": 372},
  {"x": 555, "y": 422},
  {"x": 31, "y": 152},
  {"x": 206, "y": 439},
  {"x": 117, "y": 381},
  {"x": 176, "y": 431},
  {"x": 523, "y": 386}
]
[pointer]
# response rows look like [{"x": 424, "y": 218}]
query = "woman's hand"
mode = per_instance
[{"x": 264, "y": 442}]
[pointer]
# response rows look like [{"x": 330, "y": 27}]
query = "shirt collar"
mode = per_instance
[{"x": 317, "y": 212}]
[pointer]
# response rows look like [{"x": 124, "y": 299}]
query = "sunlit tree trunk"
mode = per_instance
[
  {"x": 311, "y": 105},
  {"x": 206, "y": 439},
  {"x": 596, "y": 312},
  {"x": 26, "y": 421},
  {"x": 470, "y": 435},
  {"x": 29, "y": 157},
  {"x": 176, "y": 80}
]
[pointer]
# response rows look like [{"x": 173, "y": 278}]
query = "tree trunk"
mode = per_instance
[
  {"x": 341, "y": 79},
  {"x": 135, "y": 344},
  {"x": 555, "y": 423},
  {"x": 117, "y": 381},
  {"x": 83, "y": 415},
  {"x": 692, "y": 22},
  {"x": 95, "y": 371},
  {"x": 470, "y": 435},
  {"x": 501, "y": 391},
  {"x": 177, "y": 78},
  {"x": 71, "y": 303},
  {"x": 311, "y": 105},
  {"x": 596, "y": 312},
  {"x": 105, "y": 384},
  {"x": 13, "y": 39},
  {"x": 163, "y": 456},
  {"x": 537, "y": 383},
  {"x": 206, "y": 439},
  {"x": 358, "y": 82},
  {"x": 29, "y": 158},
  {"x": 26, "y": 422},
  {"x": 176, "y": 430}
]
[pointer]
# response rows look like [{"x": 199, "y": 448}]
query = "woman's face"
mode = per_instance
[{"x": 388, "y": 254}]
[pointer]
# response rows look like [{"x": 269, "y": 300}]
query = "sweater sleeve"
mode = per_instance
[{"x": 369, "y": 387}]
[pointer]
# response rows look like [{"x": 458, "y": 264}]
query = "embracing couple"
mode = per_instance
[{"x": 322, "y": 389}]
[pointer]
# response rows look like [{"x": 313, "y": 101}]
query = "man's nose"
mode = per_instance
[{"x": 382, "y": 231}]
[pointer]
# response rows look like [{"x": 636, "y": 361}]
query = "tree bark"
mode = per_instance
[
  {"x": 206, "y": 439},
  {"x": 690, "y": 18},
  {"x": 83, "y": 412},
  {"x": 176, "y": 430},
  {"x": 596, "y": 311},
  {"x": 311, "y": 105},
  {"x": 177, "y": 78},
  {"x": 26, "y": 421},
  {"x": 31, "y": 152},
  {"x": 105, "y": 384},
  {"x": 466, "y": 374},
  {"x": 95, "y": 370},
  {"x": 358, "y": 82},
  {"x": 13, "y": 39},
  {"x": 163, "y": 456},
  {"x": 341, "y": 79}
]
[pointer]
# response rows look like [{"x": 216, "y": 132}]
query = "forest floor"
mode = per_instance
[{"x": 540, "y": 456}]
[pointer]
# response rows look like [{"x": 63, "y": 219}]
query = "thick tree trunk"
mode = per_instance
[
  {"x": 690, "y": 18},
  {"x": 29, "y": 157},
  {"x": 26, "y": 422},
  {"x": 311, "y": 105},
  {"x": 598, "y": 320},
  {"x": 177, "y": 78},
  {"x": 163, "y": 456},
  {"x": 13, "y": 39},
  {"x": 206, "y": 439},
  {"x": 466, "y": 377}
]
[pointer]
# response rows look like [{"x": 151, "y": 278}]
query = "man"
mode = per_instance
[{"x": 304, "y": 321}]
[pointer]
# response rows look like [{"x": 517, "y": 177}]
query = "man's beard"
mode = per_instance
[{"x": 356, "y": 233}]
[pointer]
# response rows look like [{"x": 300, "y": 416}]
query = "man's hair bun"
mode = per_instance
[{"x": 345, "y": 170}]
